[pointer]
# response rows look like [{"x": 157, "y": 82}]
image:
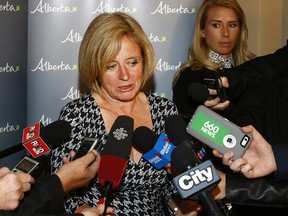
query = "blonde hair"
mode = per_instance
[
  {"x": 101, "y": 44},
  {"x": 199, "y": 51}
]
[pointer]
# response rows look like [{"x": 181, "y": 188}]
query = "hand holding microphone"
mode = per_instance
[{"x": 212, "y": 92}]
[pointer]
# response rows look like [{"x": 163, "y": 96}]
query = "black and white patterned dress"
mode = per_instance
[{"x": 143, "y": 187}]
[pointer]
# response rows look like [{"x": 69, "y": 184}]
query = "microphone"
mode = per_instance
[
  {"x": 198, "y": 92},
  {"x": 115, "y": 155},
  {"x": 52, "y": 135},
  {"x": 175, "y": 127},
  {"x": 156, "y": 150},
  {"x": 197, "y": 179}
]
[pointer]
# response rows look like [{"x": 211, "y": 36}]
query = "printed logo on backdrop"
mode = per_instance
[
  {"x": 9, "y": 68},
  {"x": 73, "y": 37},
  {"x": 167, "y": 9},
  {"x": 105, "y": 7},
  {"x": 72, "y": 94},
  {"x": 76, "y": 37},
  {"x": 157, "y": 39},
  {"x": 45, "y": 65},
  {"x": 8, "y": 128},
  {"x": 165, "y": 66},
  {"x": 45, "y": 120},
  {"x": 45, "y": 7},
  {"x": 9, "y": 7}
]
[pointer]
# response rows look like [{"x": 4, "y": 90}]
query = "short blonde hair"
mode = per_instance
[{"x": 101, "y": 44}]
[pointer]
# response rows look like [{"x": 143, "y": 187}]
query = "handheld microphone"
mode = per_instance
[
  {"x": 175, "y": 127},
  {"x": 115, "y": 155},
  {"x": 198, "y": 92},
  {"x": 156, "y": 150},
  {"x": 52, "y": 135},
  {"x": 197, "y": 179}
]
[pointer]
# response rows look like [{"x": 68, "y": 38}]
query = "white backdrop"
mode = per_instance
[{"x": 55, "y": 30}]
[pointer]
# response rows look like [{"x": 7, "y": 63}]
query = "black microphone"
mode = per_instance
[
  {"x": 155, "y": 149},
  {"x": 115, "y": 155},
  {"x": 52, "y": 135},
  {"x": 198, "y": 92},
  {"x": 175, "y": 127},
  {"x": 197, "y": 179}
]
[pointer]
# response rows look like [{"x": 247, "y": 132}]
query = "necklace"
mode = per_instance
[{"x": 221, "y": 60}]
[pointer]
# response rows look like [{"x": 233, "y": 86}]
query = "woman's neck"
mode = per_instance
[{"x": 225, "y": 61}]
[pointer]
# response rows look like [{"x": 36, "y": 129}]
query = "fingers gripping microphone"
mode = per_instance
[
  {"x": 115, "y": 155},
  {"x": 156, "y": 150},
  {"x": 52, "y": 135},
  {"x": 200, "y": 91}
]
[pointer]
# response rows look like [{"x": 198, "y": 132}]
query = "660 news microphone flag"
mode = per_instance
[{"x": 115, "y": 155}]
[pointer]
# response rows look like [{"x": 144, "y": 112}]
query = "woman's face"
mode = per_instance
[
  {"x": 222, "y": 29},
  {"x": 123, "y": 76}
]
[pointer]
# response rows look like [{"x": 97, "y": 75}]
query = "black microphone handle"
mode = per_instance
[
  {"x": 106, "y": 194},
  {"x": 11, "y": 150},
  {"x": 209, "y": 204}
]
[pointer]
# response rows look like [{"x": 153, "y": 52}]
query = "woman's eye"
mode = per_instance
[
  {"x": 233, "y": 25},
  {"x": 132, "y": 62},
  {"x": 216, "y": 25},
  {"x": 111, "y": 66}
]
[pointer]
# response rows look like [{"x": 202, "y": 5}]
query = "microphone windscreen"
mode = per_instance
[
  {"x": 182, "y": 158},
  {"x": 175, "y": 127},
  {"x": 55, "y": 132},
  {"x": 198, "y": 92},
  {"x": 116, "y": 151},
  {"x": 143, "y": 139},
  {"x": 119, "y": 140}
]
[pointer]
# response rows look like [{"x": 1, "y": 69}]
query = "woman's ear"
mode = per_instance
[{"x": 202, "y": 33}]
